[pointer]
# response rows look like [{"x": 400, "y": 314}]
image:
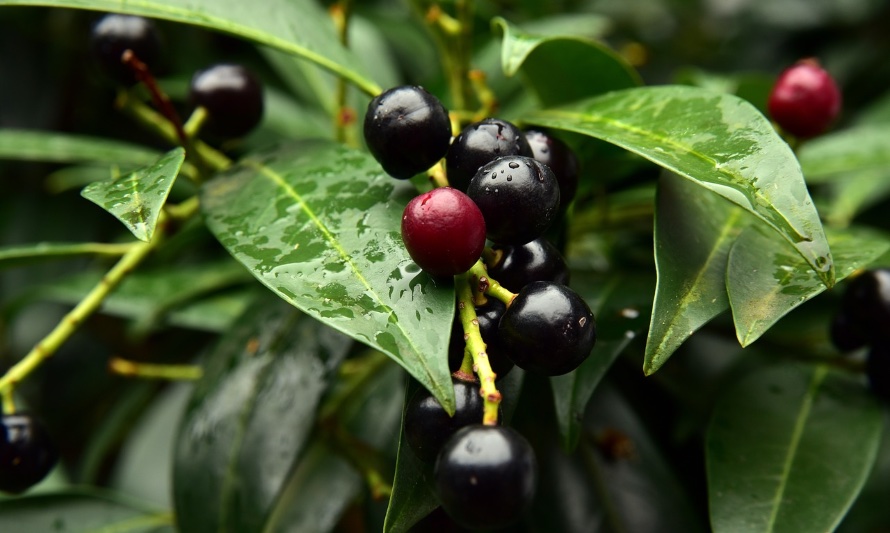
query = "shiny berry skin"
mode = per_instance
[
  {"x": 845, "y": 335},
  {"x": 481, "y": 143},
  {"x": 113, "y": 34},
  {"x": 805, "y": 100},
  {"x": 233, "y": 98},
  {"x": 877, "y": 369},
  {"x": 516, "y": 266},
  {"x": 518, "y": 197},
  {"x": 488, "y": 316},
  {"x": 407, "y": 130},
  {"x": 443, "y": 231},
  {"x": 561, "y": 160},
  {"x": 27, "y": 453},
  {"x": 866, "y": 305},
  {"x": 428, "y": 426},
  {"x": 548, "y": 329},
  {"x": 485, "y": 476}
]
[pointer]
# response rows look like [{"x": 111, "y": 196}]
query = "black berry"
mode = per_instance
[
  {"x": 232, "y": 97},
  {"x": 561, "y": 160},
  {"x": 113, "y": 34},
  {"x": 516, "y": 266},
  {"x": 443, "y": 231},
  {"x": 805, "y": 99},
  {"x": 26, "y": 453},
  {"x": 845, "y": 335},
  {"x": 481, "y": 143},
  {"x": 866, "y": 306},
  {"x": 485, "y": 476},
  {"x": 488, "y": 316},
  {"x": 407, "y": 130},
  {"x": 877, "y": 368},
  {"x": 427, "y": 424},
  {"x": 518, "y": 197},
  {"x": 548, "y": 329}
]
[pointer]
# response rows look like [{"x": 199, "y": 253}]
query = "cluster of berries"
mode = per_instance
[
  {"x": 124, "y": 45},
  {"x": 863, "y": 320}
]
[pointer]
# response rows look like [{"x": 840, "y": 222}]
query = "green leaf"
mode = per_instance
[
  {"x": 718, "y": 141},
  {"x": 860, "y": 148},
  {"x": 563, "y": 68},
  {"x": 620, "y": 305},
  {"x": 250, "y": 416},
  {"x": 79, "y": 510},
  {"x": 319, "y": 224},
  {"x": 298, "y": 27},
  {"x": 766, "y": 280},
  {"x": 137, "y": 199},
  {"x": 853, "y": 192},
  {"x": 816, "y": 437},
  {"x": 30, "y": 145},
  {"x": 694, "y": 231}
]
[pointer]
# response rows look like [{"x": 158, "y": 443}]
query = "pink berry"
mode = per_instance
[
  {"x": 443, "y": 231},
  {"x": 805, "y": 99}
]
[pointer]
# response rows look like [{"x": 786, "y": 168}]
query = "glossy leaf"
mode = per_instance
[
  {"x": 620, "y": 305},
  {"x": 34, "y": 145},
  {"x": 563, "y": 68},
  {"x": 851, "y": 193},
  {"x": 766, "y": 279},
  {"x": 319, "y": 224},
  {"x": 860, "y": 148},
  {"x": 788, "y": 450},
  {"x": 137, "y": 199},
  {"x": 298, "y": 27},
  {"x": 79, "y": 510},
  {"x": 250, "y": 417},
  {"x": 694, "y": 231},
  {"x": 718, "y": 141}
]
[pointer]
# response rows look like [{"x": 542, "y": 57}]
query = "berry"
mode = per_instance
[
  {"x": 805, "y": 99},
  {"x": 518, "y": 197},
  {"x": 561, "y": 160},
  {"x": 485, "y": 476},
  {"x": 516, "y": 266},
  {"x": 481, "y": 143},
  {"x": 26, "y": 453},
  {"x": 407, "y": 130},
  {"x": 548, "y": 329},
  {"x": 443, "y": 231},
  {"x": 845, "y": 335},
  {"x": 232, "y": 97},
  {"x": 488, "y": 316},
  {"x": 113, "y": 34},
  {"x": 427, "y": 424},
  {"x": 866, "y": 305}
]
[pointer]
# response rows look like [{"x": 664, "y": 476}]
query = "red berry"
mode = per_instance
[
  {"x": 805, "y": 99},
  {"x": 443, "y": 231}
]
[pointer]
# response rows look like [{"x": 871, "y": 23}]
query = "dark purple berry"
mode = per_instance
[
  {"x": 845, "y": 335},
  {"x": 561, "y": 160},
  {"x": 877, "y": 368},
  {"x": 113, "y": 34},
  {"x": 407, "y": 130},
  {"x": 516, "y": 266},
  {"x": 481, "y": 143},
  {"x": 27, "y": 453},
  {"x": 866, "y": 305},
  {"x": 488, "y": 316},
  {"x": 485, "y": 476},
  {"x": 518, "y": 197},
  {"x": 443, "y": 231},
  {"x": 805, "y": 99},
  {"x": 233, "y": 98},
  {"x": 427, "y": 424},
  {"x": 548, "y": 329}
]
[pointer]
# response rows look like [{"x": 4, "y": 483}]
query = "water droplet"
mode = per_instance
[
  {"x": 514, "y": 164},
  {"x": 509, "y": 178}
]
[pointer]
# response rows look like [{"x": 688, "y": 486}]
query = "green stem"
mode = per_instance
[
  {"x": 345, "y": 117},
  {"x": 358, "y": 373},
  {"x": 8, "y": 401},
  {"x": 489, "y": 286},
  {"x": 194, "y": 123},
  {"x": 476, "y": 347},
  {"x": 128, "y": 368}
]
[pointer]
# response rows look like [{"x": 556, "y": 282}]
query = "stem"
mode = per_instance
[
  {"x": 128, "y": 368},
  {"x": 341, "y": 12},
  {"x": 476, "y": 347},
  {"x": 161, "y": 100},
  {"x": 452, "y": 38},
  {"x": 437, "y": 176},
  {"x": 487, "y": 99},
  {"x": 358, "y": 373},
  {"x": 363, "y": 458},
  {"x": 195, "y": 122},
  {"x": 8, "y": 401},
  {"x": 490, "y": 287}
]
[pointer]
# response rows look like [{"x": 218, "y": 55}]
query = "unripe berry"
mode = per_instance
[{"x": 805, "y": 99}]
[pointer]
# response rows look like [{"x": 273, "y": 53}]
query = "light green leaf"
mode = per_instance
[
  {"x": 765, "y": 279},
  {"x": 860, "y": 148},
  {"x": 563, "y": 68},
  {"x": 137, "y": 199},
  {"x": 788, "y": 450},
  {"x": 319, "y": 224},
  {"x": 694, "y": 231},
  {"x": 718, "y": 141},
  {"x": 32, "y": 145},
  {"x": 851, "y": 193},
  {"x": 298, "y": 27}
]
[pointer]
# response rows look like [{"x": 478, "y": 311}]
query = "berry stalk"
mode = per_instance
[
  {"x": 125, "y": 367},
  {"x": 477, "y": 349},
  {"x": 482, "y": 284}
]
